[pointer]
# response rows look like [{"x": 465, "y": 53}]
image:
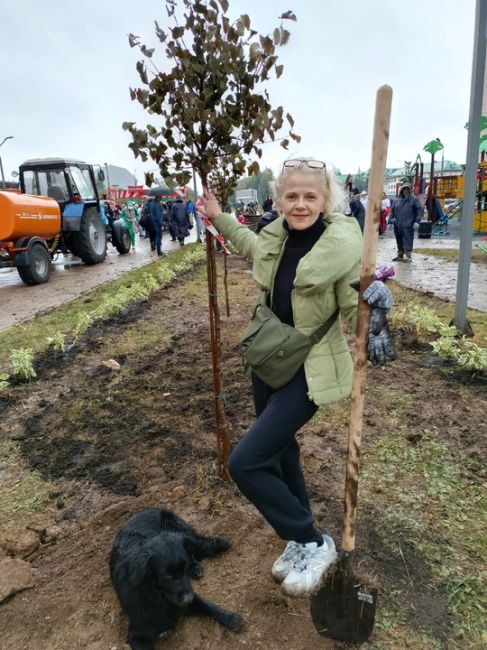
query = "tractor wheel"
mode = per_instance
[
  {"x": 39, "y": 267},
  {"x": 90, "y": 243},
  {"x": 70, "y": 242},
  {"x": 123, "y": 242}
]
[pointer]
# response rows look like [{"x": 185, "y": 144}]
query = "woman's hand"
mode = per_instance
[{"x": 209, "y": 206}]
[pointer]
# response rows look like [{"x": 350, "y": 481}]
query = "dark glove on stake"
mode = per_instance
[{"x": 380, "y": 349}]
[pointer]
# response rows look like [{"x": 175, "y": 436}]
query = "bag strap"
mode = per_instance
[
  {"x": 319, "y": 333},
  {"x": 316, "y": 336}
]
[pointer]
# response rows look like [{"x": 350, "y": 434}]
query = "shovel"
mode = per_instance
[{"x": 344, "y": 608}]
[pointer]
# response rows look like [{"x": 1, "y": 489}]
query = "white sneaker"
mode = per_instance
[
  {"x": 309, "y": 567},
  {"x": 285, "y": 561}
]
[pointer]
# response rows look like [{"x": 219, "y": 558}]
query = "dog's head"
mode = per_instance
[{"x": 164, "y": 563}]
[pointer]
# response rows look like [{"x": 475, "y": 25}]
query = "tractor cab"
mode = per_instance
[{"x": 62, "y": 179}]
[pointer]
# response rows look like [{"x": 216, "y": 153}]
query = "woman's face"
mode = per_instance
[{"x": 302, "y": 200}]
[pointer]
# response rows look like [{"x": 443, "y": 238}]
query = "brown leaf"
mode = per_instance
[
  {"x": 279, "y": 69},
  {"x": 177, "y": 32},
  {"x": 142, "y": 71},
  {"x": 147, "y": 52},
  {"x": 253, "y": 168},
  {"x": 288, "y": 15},
  {"x": 289, "y": 118},
  {"x": 133, "y": 40}
]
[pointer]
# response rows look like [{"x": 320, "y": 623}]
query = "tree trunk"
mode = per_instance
[
  {"x": 222, "y": 433},
  {"x": 225, "y": 283}
]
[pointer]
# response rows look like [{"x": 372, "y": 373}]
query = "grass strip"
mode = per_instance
[{"x": 75, "y": 316}]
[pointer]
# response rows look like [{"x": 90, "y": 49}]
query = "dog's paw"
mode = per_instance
[
  {"x": 233, "y": 621},
  {"x": 219, "y": 544},
  {"x": 196, "y": 570}
]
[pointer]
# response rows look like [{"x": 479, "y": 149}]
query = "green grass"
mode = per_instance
[
  {"x": 23, "y": 492},
  {"x": 404, "y": 297},
  {"x": 425, "y": 500},
  {"x": 451, "y": 254},
  {"x": 65, "y": 319}
]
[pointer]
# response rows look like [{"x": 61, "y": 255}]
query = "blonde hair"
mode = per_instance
[{"x": 330, "y": 185}]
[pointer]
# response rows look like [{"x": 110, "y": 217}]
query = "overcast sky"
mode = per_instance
[{"x": 67, "y": 68}]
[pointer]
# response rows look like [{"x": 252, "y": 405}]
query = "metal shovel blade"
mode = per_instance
[{"x": 344, "y": 609}]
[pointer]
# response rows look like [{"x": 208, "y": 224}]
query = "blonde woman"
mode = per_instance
[{"x": 306, "y": 259}]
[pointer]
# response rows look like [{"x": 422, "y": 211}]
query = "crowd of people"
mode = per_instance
[{"x": 152, "y": 218}]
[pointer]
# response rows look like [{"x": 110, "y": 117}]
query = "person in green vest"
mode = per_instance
[{"x": 130, "y": 216}]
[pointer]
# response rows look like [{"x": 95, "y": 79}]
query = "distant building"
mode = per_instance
[
  {"x": 118, "y": 176},
  {"x": 394, "y": 178}
]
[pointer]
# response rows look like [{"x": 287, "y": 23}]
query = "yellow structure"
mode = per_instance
[{"x": 452, "y": 187}]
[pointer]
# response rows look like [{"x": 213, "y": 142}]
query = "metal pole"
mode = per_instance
[
  {"x": 476, "y": 93},
  {"x": 1, "y": 171},
  {"x": 9, "y": 137},
  {"x": 108, "y": 177}
]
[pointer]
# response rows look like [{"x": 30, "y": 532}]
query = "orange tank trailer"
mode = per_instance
[{"x": 22, "y": 215}]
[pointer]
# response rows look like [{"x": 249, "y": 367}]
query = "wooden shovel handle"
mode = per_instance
[{"x": 375, "y": 189}]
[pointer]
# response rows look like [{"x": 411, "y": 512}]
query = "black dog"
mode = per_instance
[{"x": 154, "y": 555}]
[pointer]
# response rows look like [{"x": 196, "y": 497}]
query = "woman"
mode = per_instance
[
  {"x": 306, "y": 259},
  {"x": 268, "y": 203}
]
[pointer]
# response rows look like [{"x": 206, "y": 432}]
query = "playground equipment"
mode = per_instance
[{"x": 452, "y": 187}]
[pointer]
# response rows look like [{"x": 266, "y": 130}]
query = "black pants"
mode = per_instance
[{"x": 265, "y": 464}]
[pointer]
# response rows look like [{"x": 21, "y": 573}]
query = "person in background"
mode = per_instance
[
  {"x": 363, "y": 199},
  {"x": 385, "y": 211},
  {"x": 405, "y": 214},
  {"x": 148, "y": 224},
  {"x": 156, "y": 215},
  {"x": 305, "y": 261},
  {"x": 357, "y": 209},
  {"x": 267, "y": 218},
  {"x": 268, "y": 203},
  {"x": 179, "y": 220},
  {"x": 109, "y": 213},
  {"x": 130, "y": 217}
]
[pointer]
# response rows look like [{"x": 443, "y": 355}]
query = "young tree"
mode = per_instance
[
  {"x": 210, "y": 110},
  {"x": 432, "y": 147},
  {"x": 222, "y": 183}
]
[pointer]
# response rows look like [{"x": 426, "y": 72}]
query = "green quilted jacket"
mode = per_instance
[{"x": 322, "y": 283}]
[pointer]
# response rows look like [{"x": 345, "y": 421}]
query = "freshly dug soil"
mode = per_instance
[{"x": 112, "y": 442}]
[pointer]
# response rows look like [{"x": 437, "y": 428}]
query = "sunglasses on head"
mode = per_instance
[{"x": 298, "y": 162}]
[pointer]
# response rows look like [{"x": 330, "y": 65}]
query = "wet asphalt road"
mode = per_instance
[
  {"x": 70, "y": 278},
  {"x": 434, "y": 274}
]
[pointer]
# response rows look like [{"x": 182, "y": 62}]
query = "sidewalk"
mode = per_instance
[{"x": 434, "y": 274}]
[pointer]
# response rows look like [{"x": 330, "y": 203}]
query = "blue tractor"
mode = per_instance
[{"x": 72, "y": 184}]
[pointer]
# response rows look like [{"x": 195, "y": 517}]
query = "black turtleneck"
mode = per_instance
[{"x": 298, "y": 243}]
